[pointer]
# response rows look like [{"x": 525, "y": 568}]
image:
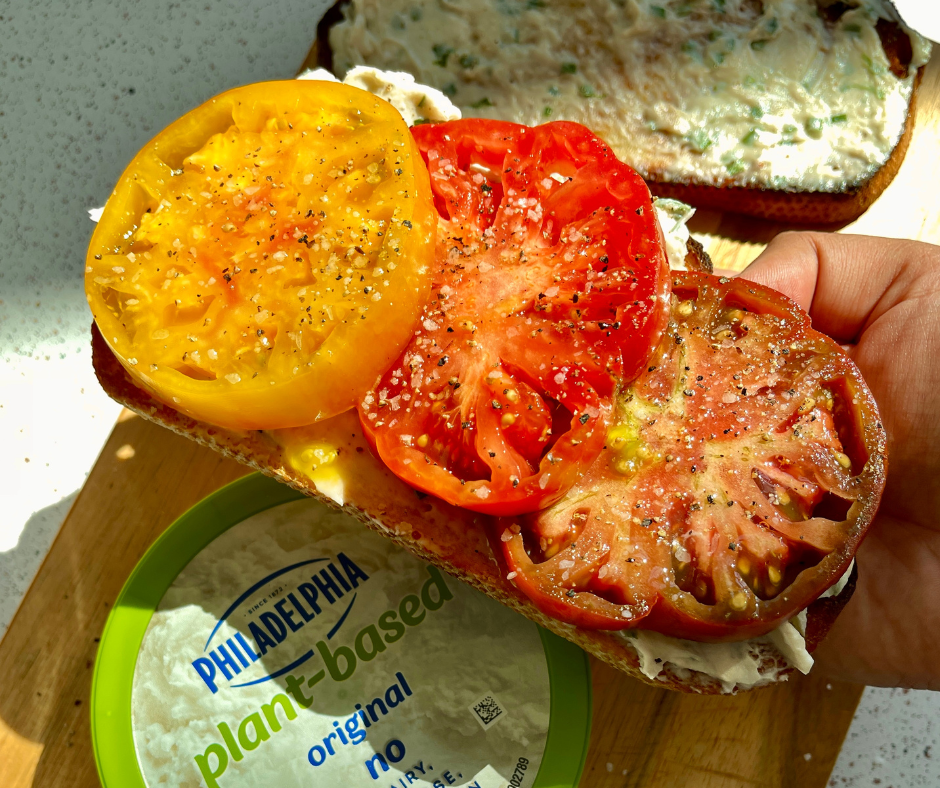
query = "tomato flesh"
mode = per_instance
[
  {"x": 740, "y": 472},
  {"x": 550, "y": 285},
  {"x": 254, "y": 250}
]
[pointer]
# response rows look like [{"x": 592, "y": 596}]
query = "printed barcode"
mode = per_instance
[{"x": 487, "y": 711}]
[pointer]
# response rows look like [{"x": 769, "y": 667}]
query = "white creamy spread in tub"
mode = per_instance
[
  {"x": 728, "y": 92},
  {"x": 298, "y": 648}
]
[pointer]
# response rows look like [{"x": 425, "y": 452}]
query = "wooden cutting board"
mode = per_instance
[
  {"x": 642, "y": 737},
  {"x": 660, "y": 738}
]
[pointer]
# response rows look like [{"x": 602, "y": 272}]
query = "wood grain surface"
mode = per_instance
[
  {"x": 642, "y": 737},
  {"x": 660, "y": 738},
  {"x": 47, "y": 655}
]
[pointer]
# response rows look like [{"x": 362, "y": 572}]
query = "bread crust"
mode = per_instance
[
  {"x": 454, "y": 539},
  {"x": 791, "y": 206},
  {"x": 697, "y": 259}
]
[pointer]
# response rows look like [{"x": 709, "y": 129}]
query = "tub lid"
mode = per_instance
[{"x": 267, "y": 639}]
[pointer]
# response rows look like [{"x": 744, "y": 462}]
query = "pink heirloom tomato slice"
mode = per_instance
[{"x": 740, "y": 472}]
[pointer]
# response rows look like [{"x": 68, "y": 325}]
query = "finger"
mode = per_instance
[
  {"x": 846, "y": 282},
  {"x": 789, "y": 265},
  {"x": 889, "y": 633}
]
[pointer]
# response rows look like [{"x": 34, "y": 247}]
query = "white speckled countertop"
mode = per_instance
[{"x": 82, "y": 87}]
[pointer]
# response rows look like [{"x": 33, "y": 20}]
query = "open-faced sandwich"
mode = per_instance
[
  {"x": 488, "y": 343},
  {"x": 799, "y": 110}
]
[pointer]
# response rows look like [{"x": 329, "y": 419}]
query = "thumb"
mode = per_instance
[
  {"x": 789, "y": 265},
  {"x": 845, "y": 282}
]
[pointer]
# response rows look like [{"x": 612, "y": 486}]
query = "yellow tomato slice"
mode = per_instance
[{"x": 264, "y": 259}]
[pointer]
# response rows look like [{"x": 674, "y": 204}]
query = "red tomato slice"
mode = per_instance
[
  {"x": 551, "y": 285},
  {"x": 742, "y": 470}
]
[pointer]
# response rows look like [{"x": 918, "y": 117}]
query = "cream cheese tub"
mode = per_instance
[{"x": 266, "y": 639}]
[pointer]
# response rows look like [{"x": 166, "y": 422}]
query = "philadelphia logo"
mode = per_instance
[{"x": 335, "y": 583}]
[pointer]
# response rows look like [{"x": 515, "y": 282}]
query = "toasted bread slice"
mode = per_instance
[
  {"x": 798, "y": 206},
  {"x": 454, "y": 539},
  {"x": 637, "y": 75}
]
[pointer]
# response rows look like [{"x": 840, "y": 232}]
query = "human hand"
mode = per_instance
[{"x": 880, "y": 298}]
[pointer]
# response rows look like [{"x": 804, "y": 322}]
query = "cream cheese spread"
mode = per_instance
[
  {"x": 738, "y": 666},
  {"x": 417, "y": 103},
  {"x": 672, "y": 216},
  {"x": 724, "y": 92},
  {"x": 840, "y": 584}
]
